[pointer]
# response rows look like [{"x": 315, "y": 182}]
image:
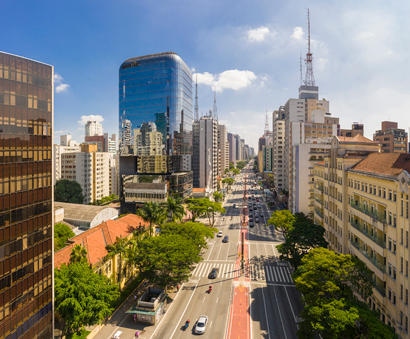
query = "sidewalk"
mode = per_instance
[{"x": 121, "y": 321}]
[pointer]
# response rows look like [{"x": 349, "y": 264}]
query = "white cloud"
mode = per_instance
[
  {"x": 257, "y": 34},
  {"x": 58, "y": 83},
  {"x": 91, "y": 117},
  {"x": 232, "y": 79},
  {"x": 297, "y": 33}
]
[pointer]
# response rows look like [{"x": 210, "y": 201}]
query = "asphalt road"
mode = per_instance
[
  {"x": 275, "y": 302},
  {"x": 193, "y": 299}
]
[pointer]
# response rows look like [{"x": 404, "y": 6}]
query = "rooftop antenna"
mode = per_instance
[
  {"x": 196, "y": 98},
  {"x": 266, "y": 125},
  {"x": 310, "y": 79},
  {"x": 215, "y": 110},
  {"x": 301, "y": 77}
]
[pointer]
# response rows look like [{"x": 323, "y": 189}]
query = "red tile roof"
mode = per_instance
[
  {"x": 356, "y": 138},
  {"x": 199, "y": 189},
  {"x": 97, "y": 238},
  {"x": 384, "y": 163}
]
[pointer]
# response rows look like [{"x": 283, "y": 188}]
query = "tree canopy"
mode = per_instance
[
  {"x": 78, "y": 255},
  {"x": 231, "y": 166},
  {"x": 82, "y": 297},
  {"x": 173, "y": 207},
  {"x": 205, "y": 207},
  {"x": 168, "y": 259},
  {"x": 62, "y": 233},
  {"x": 228, "y": 181},
  {"x": 301, "y": 237},
  {"x": 152, "y": 213},
  {"x": 218, "y": 197},
  {"x": 68, "y": 191},
  {"x": 195, "y": 232},
  {"x": 329, "y": 282},
  {"x": 236, "y": 171},
  {"x": 282, "y": 220}
]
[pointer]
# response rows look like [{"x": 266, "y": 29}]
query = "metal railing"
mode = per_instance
[
  {"x": 368, "y": 212},
  {"x": 375, "y": 238},
  {"x": 367, "y": 254}
]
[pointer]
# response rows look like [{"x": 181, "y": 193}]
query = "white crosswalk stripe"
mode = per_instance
[
  {"x": 270, "y": 273},
  {"x": 225, "y": 270}
]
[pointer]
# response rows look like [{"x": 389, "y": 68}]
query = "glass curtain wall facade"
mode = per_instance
[
  {"x": 155, "y": 113},
  {"x": 26, "y": 198}
]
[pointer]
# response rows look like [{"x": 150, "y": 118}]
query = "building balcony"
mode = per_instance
[
  {"x": 320, "y": 188},
  {"x": 376, "y": 239},
  {"x": 319, "y": 212},
  {"x": 379, "y": 288},
  {"x": 377, "y": 216},
  {"x": 369, "y": 259},
  {"x": 320, "y": 201}
]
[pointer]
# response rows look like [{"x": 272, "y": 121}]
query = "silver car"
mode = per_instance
[{"x": 201, "y": 324}]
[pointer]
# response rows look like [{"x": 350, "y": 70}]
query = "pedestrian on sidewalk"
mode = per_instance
[
  {"x": 135, "y": 318},
  {"x": 177, "y": 288},
  {"x": 137, "y": 334},
  {"x": 135, "y": 297}
]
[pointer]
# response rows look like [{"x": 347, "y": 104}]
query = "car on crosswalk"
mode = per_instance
[{"x": 214, "y": 273}]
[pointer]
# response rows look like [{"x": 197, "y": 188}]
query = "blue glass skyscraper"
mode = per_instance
[{"x": 155, "y": 117}]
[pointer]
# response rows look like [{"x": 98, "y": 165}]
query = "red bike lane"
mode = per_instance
[{"x": 239, "y": 326}]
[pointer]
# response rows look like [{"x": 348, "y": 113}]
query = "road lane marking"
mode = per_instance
[
  {"x": 290, "y": 304},
  {"x": 203, "y": 300},
  {"x": 216, "y": 300},
  {"x": 267, "y": 272},
  {"x": 280, "y": 314},
  {"x": 266, "y": 313},
  {"x": 177, "y": 326},
  {"x": 213, "y": 245}
]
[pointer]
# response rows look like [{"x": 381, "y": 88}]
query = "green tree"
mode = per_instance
[
  {"x": 228, "y": 181},
  {"x": 218, "y": 197},
  {"x": 62, "y": 233},
  {"x": 196, "y": 207},
  {"x": 197, "y": 233},
  {"x": 303, "y": 236},
  {"x": 167, "y": 260},
  {"x": 68, "y": 191},
  {"x": 119, "y": 247},
  {"x": 231, "y": 166},
  {"x": 152, "y": 213},
  {"x": 173, "y": 207},
  {"x": 330, "y": 283},
  {"x": 236, "y": 171},
  {"x": 78, "y": 254},
  {"x": 226, "y": 170},
  {"x": 282, "y": 220},
  {"x": 82, "y": 297}
]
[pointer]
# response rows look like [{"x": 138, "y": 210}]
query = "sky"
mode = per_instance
[{"x": 247, "y": 51}]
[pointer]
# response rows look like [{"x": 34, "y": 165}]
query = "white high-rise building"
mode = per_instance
[
  {"x": 223, "y": 146},
  {"x": 65, "y": 140},
  {"x": 90, "y": 169},
  {"x": 93, "y": 128},
  {"x": 110, "y": 143},
  {"x": 205, "y": 153}
]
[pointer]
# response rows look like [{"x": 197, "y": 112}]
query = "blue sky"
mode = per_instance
[{"x": 247, "y": 50}]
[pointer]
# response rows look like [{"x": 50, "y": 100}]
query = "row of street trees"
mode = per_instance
[
  {"x": 84, "y": 298},
  {"x": 333, "y": 285}
]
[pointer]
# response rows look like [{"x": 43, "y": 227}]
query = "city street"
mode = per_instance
[{"x": 262, "y": 303}]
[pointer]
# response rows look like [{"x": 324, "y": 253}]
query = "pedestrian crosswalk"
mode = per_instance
[
  {"x": 270, "y": 273},
  {"x": 226, "y": 270}
]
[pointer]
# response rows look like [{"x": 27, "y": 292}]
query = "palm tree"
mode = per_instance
[
  {"x": 78, "y": 254},
  {"x": 173, "y": 207},
  {"x": 119, "y": 247},
  {"x": 151, "y": 212}
]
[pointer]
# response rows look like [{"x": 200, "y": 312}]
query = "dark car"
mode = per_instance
[
  {"x": 225, "y": 239},
  {"x": 251, "y": 224},
  {"x": 214, "y": 273}
]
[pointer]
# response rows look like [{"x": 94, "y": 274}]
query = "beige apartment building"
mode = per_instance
[
  {"x": 362, "y": 201},
  {"x": 90, "y": 169}
]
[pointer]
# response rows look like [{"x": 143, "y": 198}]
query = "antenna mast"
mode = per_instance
[
  {"x": 215, "y": 110},
  {"x": 301, "y": 77},
  {"x": 196, "y": 98},
  {"x": 310, "y": 79},
  {"x": 266, "y": 125}
]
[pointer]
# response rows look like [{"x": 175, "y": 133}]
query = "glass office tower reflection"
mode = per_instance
[
  {"x": 26, "y": 198},
  {"x": 155, "y": 111}
]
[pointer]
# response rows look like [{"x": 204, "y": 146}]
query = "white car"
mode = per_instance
[
  {"x": 201, "y": 324},
  {"x": 219, "y": 234}
]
